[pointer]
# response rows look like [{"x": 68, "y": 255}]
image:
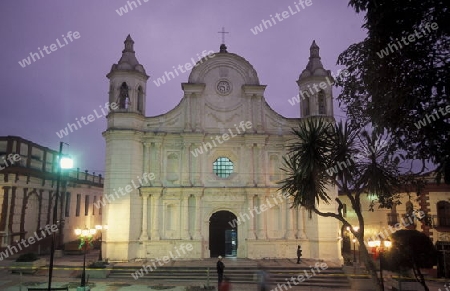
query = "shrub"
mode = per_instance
[
  {"x": 98, "y": 265},
  {"x": 28, "y": 257}
]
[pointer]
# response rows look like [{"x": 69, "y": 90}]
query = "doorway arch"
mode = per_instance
[{"x": 223, "y": 240}]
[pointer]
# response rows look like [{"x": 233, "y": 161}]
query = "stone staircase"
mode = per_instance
[{"x": 332, "y": 277}]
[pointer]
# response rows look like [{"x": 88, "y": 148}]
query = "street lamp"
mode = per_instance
[
  {"x": 63, "y": 163},
  {"x": 355, "y": 229},
  {"x": 85, "y": 238},
  {"x": 381, "y": 245},
  {"x": 99, "y": 228}
]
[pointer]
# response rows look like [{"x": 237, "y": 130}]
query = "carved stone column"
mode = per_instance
[
  {"x": 147, "y": 159},
  {"x": 289, "y": 224},
  {"x": 186, "y": 162},
  {"x": 249, "y": 166},
  {"x": 196, "y": 166},
  {"x": 144, "y": 234},
  {"x": 260, "y": 169},
  {"x": 157, "y": 165},
  {"x": 155, "y": 213},
  {"x": 198, "y": 217},
  {"x": 251, "y": 222},
  {"x": 261, "y": 219},
  {"x": 185, "y": 217},
  {"x": 301, "y": 223}
]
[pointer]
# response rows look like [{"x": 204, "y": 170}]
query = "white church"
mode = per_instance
[{"x": 214, "y": 162}]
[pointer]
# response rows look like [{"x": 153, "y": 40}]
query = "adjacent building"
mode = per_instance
[{"x": 28, "y": 178}]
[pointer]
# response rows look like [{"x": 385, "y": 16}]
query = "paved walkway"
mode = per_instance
[{"x": 67, "y": 268}]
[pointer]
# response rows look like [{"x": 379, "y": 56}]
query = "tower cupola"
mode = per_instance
[
  {"x": 315, "y": 87},
  {"x": 128, "y": 81}
]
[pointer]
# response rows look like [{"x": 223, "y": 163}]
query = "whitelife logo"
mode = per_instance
[
  {"x": 11, "y": 250},
  {"x": 147, "y": 177},
  {"x": 124, "y": 9},
  {"x": 53, "y": 47},
  {"x": 12, "y": 158},
  {"x": 281, "y": 16},
  {"x": 243, "y": 217},
  {"x": 90, "y": 118},
  {"x": 429, "y": 118},
  {"x": 412, "y": 38},
  {"x": 184, "y": 68},
  {"x": 165, "y": 260},
  {"x": 208, "y": 146}
]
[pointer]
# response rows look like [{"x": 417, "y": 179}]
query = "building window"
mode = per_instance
[
  {"x": 101, "y": 206},
  {"x": 306, "y": 105},
  {"x": 344, "y": 210},
  {"x": 443, "y": 213},
  {"x": 77, "y": 211},
  {"x": 322, "y": 104},
  {"x": 86, "y": 205},
  {"x": 67, "y": 209},
  {"x": 223, "y": 167},
  {"x": 93, "y": 205}
]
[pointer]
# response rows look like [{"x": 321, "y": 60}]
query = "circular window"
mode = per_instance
[
  {"x": 223, "y": 87},
  {"x": 223, "y": 167}
]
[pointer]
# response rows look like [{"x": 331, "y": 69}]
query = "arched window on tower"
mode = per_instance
[
  {"x": 306, "y": 107},
  {"x": 124, "y": 98},
  {"x": 322, "y": 103},
  {"x": 140, "y": 101}
]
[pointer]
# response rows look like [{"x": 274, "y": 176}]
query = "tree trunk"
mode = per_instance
[
  {"x": 420, "y": 278},
  {"x": 370, "y": 264}
]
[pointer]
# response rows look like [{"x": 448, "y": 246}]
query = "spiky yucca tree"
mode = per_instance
[{"x": 311, "y": 166}]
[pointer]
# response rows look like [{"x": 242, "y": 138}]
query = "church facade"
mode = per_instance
[{"x": 207, "y": 170}]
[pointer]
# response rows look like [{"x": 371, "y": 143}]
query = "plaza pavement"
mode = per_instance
[{"x": 68, "y": 269}]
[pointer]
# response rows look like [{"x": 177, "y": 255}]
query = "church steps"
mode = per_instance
[{"x": 331, "y": 277}]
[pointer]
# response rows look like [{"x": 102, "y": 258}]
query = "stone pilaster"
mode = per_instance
[
  {"x": 198, "y": 217},
  {"x": 185, "y": 217},
  {"x": 155, "y": 235},
  {"x": 261, "y": 220},
  {"x": 144, "y": 234},
  {"x": 251, "y": 222}
]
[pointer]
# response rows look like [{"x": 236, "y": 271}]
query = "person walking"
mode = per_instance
[
  {"x": 225, "y": 285},
  {"x": 220, "y": 268},
  {"x": 263, "y": 279},
  {"x": 299, "y": 254}
]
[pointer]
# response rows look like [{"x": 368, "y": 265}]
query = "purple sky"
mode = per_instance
[{"x": 41, "y": 98}]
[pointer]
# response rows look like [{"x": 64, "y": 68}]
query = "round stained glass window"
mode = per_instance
[{"x": 223, "y": 167}]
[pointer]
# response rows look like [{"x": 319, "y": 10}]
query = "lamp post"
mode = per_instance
[
  {"x": 99, "y": 228},
  {"x": 355, "y": 229},
  {"x": 85, "y": 237},
  {"x": 381, "y": 245},
  {"x": 63, "y": 163}
]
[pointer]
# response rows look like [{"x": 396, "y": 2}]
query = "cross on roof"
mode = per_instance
[{"x": 223, "y": 32}]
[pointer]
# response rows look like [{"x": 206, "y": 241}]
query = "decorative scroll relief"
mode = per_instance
[{"x": 224, "y": 87}]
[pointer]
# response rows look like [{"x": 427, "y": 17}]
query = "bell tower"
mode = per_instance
[
  {"x": 128, "y": 82},
  {"x": 124, "y": 156},
  {"x": 315, "y": 87}
]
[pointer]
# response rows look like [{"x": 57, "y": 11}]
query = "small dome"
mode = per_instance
[
  {"x": 128, "y": 61},
  {"x": 314, "y": 66},
  {"x": 224, "y": 59}
]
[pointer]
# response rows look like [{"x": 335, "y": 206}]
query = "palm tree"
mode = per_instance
[{"x": 325, "y": 153}]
